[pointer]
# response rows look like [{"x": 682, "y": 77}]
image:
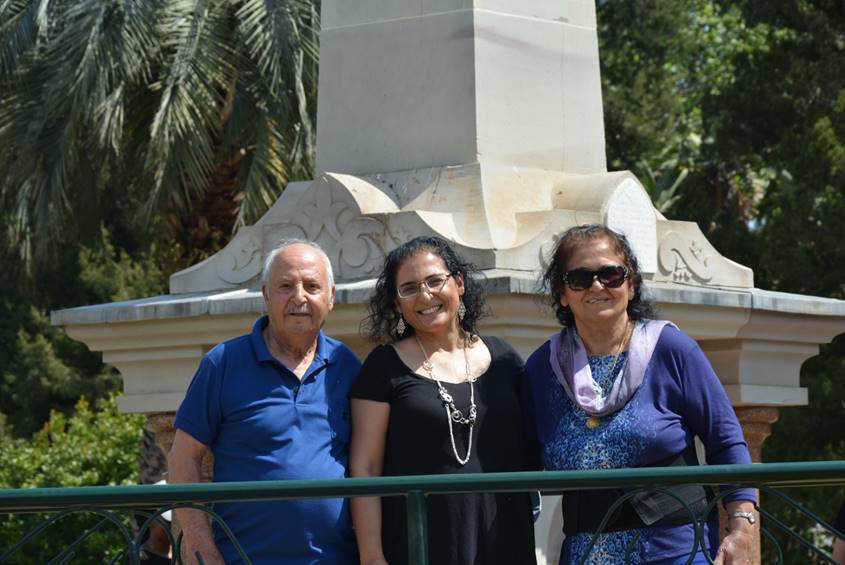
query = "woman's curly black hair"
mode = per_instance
[
  {"x": 380, "y": 324},
  {"x": 639, "y": 307}
]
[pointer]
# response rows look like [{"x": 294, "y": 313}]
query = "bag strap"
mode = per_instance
[{"x": 583, "y": 511}]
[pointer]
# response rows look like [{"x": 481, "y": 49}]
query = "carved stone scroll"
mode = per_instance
[
  {"x": 240, "y": 262},
  {"x": 330, "y": 216},
  {"x": 684, "y": 258}
]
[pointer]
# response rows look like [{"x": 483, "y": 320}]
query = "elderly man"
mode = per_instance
[{"x": 273, "y": 405}]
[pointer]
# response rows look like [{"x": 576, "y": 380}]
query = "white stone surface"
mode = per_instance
[
  {"x": 409, "y": 85},
  {"x": 559, "y": 127},
  {"x": 630, "y": 211},
  {"x": 397, "y": 95},
  {"x": 340, "y": 13},
  {"x": 479, "y": 121},
  {"x": 499, "y": 216}
]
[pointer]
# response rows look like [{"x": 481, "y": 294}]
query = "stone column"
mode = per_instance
[
  {"x": 161, "y": 424},
  {"x": 756, "y": 422},
  {"x": 451, "y": 86}
]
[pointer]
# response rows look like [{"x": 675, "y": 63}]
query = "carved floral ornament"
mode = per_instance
[
  {"x": 330, "y": 216},
  {"x": 684, "y": 258},
  {"x": 241, "y": 260}
]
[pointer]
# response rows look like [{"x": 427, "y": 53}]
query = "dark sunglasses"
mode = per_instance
[{"x": 610, "y": 276}]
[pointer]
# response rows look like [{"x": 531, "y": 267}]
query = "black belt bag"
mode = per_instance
[{"x": 583, "y": 511}]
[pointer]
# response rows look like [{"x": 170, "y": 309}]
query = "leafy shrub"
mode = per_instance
[{"x": 90, "y": 447}]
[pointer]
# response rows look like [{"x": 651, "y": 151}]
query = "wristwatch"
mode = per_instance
[{"x": 750, "y": 516}]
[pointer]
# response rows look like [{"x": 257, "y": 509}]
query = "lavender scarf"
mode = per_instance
[{"x": 570, "y": 365}]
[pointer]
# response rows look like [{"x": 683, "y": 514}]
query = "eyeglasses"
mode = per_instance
[
  {"x": 433, "y": 284},
  {"x": 610, "y": 276}
]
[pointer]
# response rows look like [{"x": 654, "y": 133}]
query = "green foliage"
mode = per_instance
[
  {"x": 186, "y": 107},
  {"x": 811, "y": 433},
  {"x": 36, "y": 379},
  {"x": 661, "y": 79},
  {"x": 41, "y": 368},
  {"x": 109, "y": 272},
  {"x": 89, "y": 447}
]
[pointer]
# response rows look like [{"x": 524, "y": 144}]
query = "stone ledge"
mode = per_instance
[{"x": 498, "y": 281}]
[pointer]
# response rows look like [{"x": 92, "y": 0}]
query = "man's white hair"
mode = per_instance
[{"x": 284, "y": 244}]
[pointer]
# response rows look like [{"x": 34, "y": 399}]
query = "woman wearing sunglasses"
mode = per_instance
[
  {"x": 439, "y": 398},
  {"x": 617, "y": 388}
]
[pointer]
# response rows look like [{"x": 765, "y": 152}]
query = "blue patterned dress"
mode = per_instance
[{"x": 608, "y": 446}]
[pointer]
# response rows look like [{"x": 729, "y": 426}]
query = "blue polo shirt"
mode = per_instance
[{"x": 263, "y": 423}]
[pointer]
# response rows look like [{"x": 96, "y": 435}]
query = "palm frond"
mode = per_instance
[
  {"x": 67, "y": 90},
  {"x": 18, "y": 33},
  {"x": 164, "y": 102},
  {"x": 263, "y": 171},
  {"x": 109, "y": 119},
  {"x": 43, "y": 200},
  {"x": 281, "y": 38},
  {"x": 181, "y": 155},
  {"x": 103, "y": 47},
  {"x": 273, "y": 32}
]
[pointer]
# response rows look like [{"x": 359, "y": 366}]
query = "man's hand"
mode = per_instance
[{"x": 208, "y": 551}]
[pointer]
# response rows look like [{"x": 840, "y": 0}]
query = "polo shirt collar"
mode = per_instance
[{"x": 262, "y": 353}]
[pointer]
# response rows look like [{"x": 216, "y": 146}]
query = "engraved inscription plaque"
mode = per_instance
[{"x": 629, "y": 211}]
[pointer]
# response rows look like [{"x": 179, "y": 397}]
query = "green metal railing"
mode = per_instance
[{"x": 108, "y": 501}]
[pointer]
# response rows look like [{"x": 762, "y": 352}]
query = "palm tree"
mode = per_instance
[{"x": 194, "y": 112}]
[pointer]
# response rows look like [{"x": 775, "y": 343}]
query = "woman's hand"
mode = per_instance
[
  {"x": 735, "y": 549},
  {"x": 366, "y": 458}
]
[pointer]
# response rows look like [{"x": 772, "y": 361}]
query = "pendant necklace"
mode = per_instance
[
  {"x": 452, "y": 412},
  {"x": 594, "y": 421}
]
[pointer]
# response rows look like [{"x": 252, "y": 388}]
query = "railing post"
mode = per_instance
[{"x": 417, "y": 528}]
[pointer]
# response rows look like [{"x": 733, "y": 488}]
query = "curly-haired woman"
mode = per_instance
[{"x": 439, "y": 398}]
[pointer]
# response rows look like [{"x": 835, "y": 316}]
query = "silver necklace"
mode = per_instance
[{"x": 452, "y": 412}]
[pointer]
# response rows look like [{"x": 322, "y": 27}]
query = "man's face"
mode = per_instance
[{"x": 298, "y": 293}]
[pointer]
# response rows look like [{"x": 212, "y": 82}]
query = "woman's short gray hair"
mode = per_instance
[{"x": 284, "y": 244}]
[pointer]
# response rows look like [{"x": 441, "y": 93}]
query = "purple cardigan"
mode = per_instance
[{"x": 680, "y": 397}]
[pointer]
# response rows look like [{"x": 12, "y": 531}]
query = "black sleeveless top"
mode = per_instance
[{"x": 463, "y": 529}]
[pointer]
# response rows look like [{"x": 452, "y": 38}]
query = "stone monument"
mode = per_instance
[{"x": 479, "y": 121}]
